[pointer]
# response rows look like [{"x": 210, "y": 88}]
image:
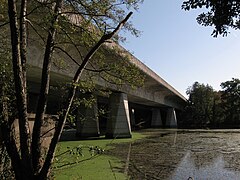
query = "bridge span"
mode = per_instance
[{"x": 155, "y": 104}]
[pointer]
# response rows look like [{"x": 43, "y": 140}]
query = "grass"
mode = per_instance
[{"x": 89, "y": 167}]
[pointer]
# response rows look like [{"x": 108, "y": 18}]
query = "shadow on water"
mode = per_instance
[{"x": 180, "y": 155}]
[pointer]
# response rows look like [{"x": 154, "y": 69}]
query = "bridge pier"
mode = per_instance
[
  {"x": 118, "y": 124},
  {"x": 87, "y": 121},
  {"x": 156, "y": 118},
  {"x": 171, "y": 119}
]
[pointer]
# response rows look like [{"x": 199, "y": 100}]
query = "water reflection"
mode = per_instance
[
  {"x": 208, "y": 156},
  {"x": 175, "y": 138},
  {"x": 180, "y": 155},
  {"x": 214, "y": 170}
]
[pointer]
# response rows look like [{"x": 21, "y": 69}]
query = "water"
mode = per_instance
[
  {"x": 207, "y": 155},
  {"x": 182, "y": 155},
  {"x": 187, "y": 169}
]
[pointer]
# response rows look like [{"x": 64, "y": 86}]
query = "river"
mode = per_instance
[{"x": 182, "y": 155}]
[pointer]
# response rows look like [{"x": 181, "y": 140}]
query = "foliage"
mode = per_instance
[
  {"x": 7, "y": 98},
  {"x": 221, "y": 14},
  {"x": 209, "y": 108},
  {"x": 231, "y": 101},
  {"x": 6, "y": 85},
  {"x": 6, "y": 82},
  {"x": 5, "y": 164},
  {"x": 200, "y": 104},
  {"x": 74, "y": 155},
  {"x": 6, "y": 76},
  {"x": 70, "y": 34}
]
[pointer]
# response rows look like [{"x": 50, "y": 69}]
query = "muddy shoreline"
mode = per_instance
[{"x": 182, "y": 154}]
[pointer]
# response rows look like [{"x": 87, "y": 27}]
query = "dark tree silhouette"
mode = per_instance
[{"x": 222, "y": 14}]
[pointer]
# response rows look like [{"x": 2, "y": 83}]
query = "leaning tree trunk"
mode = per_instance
[{"x": 47, "y": 164}]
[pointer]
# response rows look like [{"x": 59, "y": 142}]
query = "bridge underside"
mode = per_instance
[
  {"x": 152, "y": 105},
  {"x": 114, "y": 116},
  {"x": 122, "y": 117}
]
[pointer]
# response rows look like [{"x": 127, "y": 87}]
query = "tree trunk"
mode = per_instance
[
  {"x": 23, "y": 40},
  {"x": 19, "y": 89},
  {"x": 42, "y": 101},
  {"x": 72, "y": 91},
  {"x": 27, "y": 165},
  {"x": 9, "y": 141}
]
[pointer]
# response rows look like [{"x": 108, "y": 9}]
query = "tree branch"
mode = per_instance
[
  {"x": 71, "y": 96},
  {"x": 84, "y": 14},
  {"x": 69, "y": 55},
  {"x": 8, "y": 22},
  {"x": 36, "y": 31},
  {"x": 79, "y": 52}
]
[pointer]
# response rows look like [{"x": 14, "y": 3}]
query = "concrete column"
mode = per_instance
[
  {"x": 156, "y": 118},
  {"x": 171, "y": 120},
  {"x": 87, "y": 121},
  {"x": 118, "y": 124}
]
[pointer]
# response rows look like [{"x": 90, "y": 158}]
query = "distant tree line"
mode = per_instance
[{"x": 207, "y": 108}]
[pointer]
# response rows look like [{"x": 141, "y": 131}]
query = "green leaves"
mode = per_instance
[
  {"x": 7, "y": 85},
  {"x": 209, "y": 108},
  {"x": 231, "y": 101},
  {"x": 202, "y": 106},
  {"x": 75, "y": 155},
  {"x": 222, "y": 14}
]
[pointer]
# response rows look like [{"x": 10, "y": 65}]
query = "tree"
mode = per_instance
[
  {"x": 209, "y": 108},
  {"x": 231, "y": 102},
  {"x": 221, "y": 14},
  {"x": 82, "y": 25},
  {"x": 7, "y": 94},
  {"x": 200, "y": 105}
]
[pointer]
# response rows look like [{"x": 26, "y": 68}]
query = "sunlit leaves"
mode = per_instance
[{"x": 103, "y": 14}]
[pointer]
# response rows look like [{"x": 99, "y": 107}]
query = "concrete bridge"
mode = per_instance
[{"x": 155, "y": 104}]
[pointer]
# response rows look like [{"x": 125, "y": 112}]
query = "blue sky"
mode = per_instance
[{"x": 181, "y": 51}]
